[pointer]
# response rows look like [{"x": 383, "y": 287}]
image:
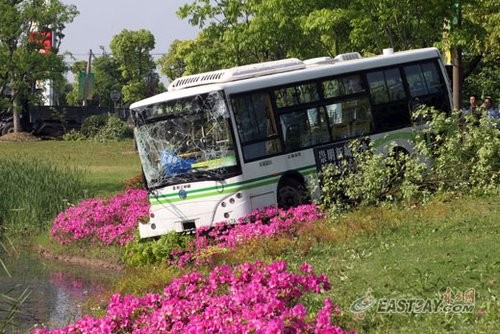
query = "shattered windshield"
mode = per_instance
[{"x": 185, "y": 140}]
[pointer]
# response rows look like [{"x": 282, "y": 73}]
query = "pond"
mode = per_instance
[{"x": 58, "y": 293}]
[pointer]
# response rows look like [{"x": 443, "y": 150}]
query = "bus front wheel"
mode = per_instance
[{"x": 291, "y": 193}]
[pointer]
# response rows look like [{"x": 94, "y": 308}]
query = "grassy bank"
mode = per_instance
[
  {"x": 107, "y": 165},
  {"x": 392, "y": 253},
  {"x": 395, "y": 254},
  {"x": 416, "y": 254},
  {"x": 41, "y": 178}
]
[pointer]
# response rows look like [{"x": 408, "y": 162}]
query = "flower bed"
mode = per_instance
[
  {"x": 260, "y": 223},
  {"x": 104, "y": 221},
  {"x": 251, "y": 298}
]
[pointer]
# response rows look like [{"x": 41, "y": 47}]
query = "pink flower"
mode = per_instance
[
  {"x": 251, "y": 297},
  {"x": 103, "y": 221}
]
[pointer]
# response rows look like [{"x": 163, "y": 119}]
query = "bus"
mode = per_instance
[{"x": 216, "y": 146}]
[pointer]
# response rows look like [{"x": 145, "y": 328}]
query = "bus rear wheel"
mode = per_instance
[{"x": 291, "y": 193}]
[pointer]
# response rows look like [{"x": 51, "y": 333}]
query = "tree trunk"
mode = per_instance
[
  {"x": 457, "y": 77},
  {"x": 16, "y": 113}
]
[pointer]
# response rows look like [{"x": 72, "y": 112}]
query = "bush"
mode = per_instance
[
  {"x": 151, "y": 251},
  {"x": 465, "y": 153},
  {"x": 73, "y": 135},
  {"x": 103, "y": 221},
  {"x": 114, "y": 129},
  {"x": 93, "y": 124},
  {"x": 452, "y": 153},
  {"x": 135, "y": 182},
  {"x": 101, "y": 128}
]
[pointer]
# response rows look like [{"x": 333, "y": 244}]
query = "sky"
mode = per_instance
[{"x": 100, "y": 20}]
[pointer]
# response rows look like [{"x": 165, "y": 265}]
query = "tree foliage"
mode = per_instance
[
  {"x": 237, "y": 32},
  {"x": 21, "y": 63},
  {"x": 132, "y": 51}
]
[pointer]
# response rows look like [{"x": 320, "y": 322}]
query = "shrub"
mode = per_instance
[
  {"x": 372, "y": 179},
  {"x": 101, "y": 128},
  {"x": 452, "y": 153},
  {"x": 73, "y": 135},
  {"x": 224, "y": 236},
  {"x": 93, "y": 124},
  {"x": 465, "y": 153},
  {"x": 135, "y": 182},
  {"x": 114, "y": 129},
  {"x": 150, "y": 251}
]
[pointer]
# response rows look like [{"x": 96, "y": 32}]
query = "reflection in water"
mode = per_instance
[{"x": 57, "y": 291}]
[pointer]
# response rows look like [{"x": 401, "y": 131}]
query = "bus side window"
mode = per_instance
[
  {"x": 256, "y": 125},
  {"x": 432, "y": 78},
  {"x": 416, "y": 80},
  {"x": 339, "y": 121},
  {"x": 318, "y": 126}
]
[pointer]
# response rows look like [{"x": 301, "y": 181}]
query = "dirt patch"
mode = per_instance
[
  {"x": 80, "y": 261},
  {"x": 19, "y": 137}
]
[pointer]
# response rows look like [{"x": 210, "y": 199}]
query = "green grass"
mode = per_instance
[
  {"x": 107, "y": 165},
  {"x": 39, "y": 179},
  {"x": 412, "y": 253},
  {"x": 419, "y": 253},
  {"x": 396, "y": 253}
]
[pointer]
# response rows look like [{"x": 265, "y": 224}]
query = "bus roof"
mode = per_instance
[{"x": 278, "y": 72}]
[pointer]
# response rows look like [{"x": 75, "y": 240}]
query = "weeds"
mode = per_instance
[{"x": 34, "y": 192}]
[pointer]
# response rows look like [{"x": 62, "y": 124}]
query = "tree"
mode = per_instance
[
  {"x": 173, "y": 63},
  {"x": 21, "y": 34},
  {"x": 107, "y": 78},
  {"x": 132, "y": 51},
  {"x": 236, "y": 32}
]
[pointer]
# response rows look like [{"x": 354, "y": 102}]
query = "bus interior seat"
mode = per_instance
[{"x": 341, "y": 131}]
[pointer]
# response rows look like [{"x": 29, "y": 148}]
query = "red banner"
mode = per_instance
[{"x": 44, "y": 39}]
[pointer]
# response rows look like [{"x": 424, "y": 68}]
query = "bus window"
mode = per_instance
[
  {"x": 304, "y": 128},
  {"x": 297, "y": 94},
  {"x": 351, "y": 118},
  {"x": 431, "y": 76},
  {"x": 426, "y": 83},
  {"x": 256, "y": 125},
  {"x": 378, "y": 88},
  {"x": 416, "y": 81},
  {"x": 353, "y": 84},
  {"x": 343, "y": 86},
  {"x": 318, "y": 126},
  {"x": 386, "y": 86}
]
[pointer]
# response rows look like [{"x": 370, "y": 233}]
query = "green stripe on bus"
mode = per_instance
[{"x": 229, "y": 188}]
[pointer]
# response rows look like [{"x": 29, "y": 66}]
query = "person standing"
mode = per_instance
[
  {"x": 473, "y": 104},
  {"x": 491, "y": 112}
]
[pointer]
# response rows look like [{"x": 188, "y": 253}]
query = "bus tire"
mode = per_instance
[{"x": 291, "y": 193}]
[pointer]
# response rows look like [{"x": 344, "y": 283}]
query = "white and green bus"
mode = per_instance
[{"x": 218, "y": 145}]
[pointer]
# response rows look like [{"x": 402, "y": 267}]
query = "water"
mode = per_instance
[{"x": 58, "y": 292}]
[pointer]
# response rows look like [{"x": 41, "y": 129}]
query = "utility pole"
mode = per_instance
[{"x": 86, "y": 87}]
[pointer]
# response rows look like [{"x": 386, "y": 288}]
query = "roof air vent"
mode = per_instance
[
  {"x": 348, "y": 56},
  {"x": 237, "y": 73}
]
